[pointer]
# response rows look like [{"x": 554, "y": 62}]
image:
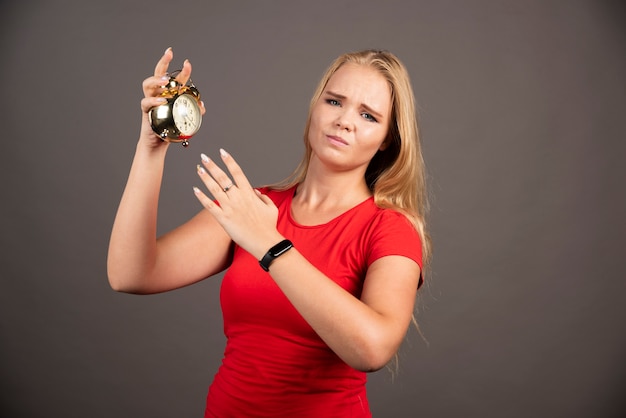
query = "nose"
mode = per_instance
[{"x": 344, "y": 122}]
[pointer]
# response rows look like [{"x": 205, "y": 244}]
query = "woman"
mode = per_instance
[{"x": 323, "y": 269}]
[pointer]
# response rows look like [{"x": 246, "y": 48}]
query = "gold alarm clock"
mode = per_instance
[{"x": 180, "y": 117}]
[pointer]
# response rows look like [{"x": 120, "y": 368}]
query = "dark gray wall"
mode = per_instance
[{"x": 522, "y": 109}]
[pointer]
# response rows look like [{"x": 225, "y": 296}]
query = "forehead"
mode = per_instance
[{"x": 361, "y": 83}]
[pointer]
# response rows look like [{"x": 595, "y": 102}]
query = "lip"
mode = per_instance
[{"x": 337, "y": 140}]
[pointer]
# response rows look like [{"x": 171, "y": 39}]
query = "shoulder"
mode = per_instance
[
  {"x": 391, "y": 233},
  {"x": 381, "y": 220}
]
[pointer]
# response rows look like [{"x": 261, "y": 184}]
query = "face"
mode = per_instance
[{"x": 349, "y": 122}]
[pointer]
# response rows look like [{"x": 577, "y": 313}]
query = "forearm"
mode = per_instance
[
  {"x": 361, "y": 336},
  {"x": 132, "y": 248}
]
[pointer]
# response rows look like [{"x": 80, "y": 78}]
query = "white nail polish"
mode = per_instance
[{"x": 204, "y": 158}]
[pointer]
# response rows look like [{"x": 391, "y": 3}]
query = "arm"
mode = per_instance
[
  {"x": 364, "y": 332},
  {"x": 138, "y": 262}
]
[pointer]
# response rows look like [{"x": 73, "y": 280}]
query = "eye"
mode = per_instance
[
  {"x": 369, "y": 117},
  {"x": 333, "y": 102}
]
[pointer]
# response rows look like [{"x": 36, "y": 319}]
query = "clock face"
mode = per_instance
[{"x": 186, "y": 114}]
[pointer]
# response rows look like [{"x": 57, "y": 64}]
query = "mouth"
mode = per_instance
[{"x": 337, "y": 140}]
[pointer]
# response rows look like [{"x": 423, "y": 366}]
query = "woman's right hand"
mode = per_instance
[
  {"x": 152, "y": 90},
  {"x": 137, "y": 261}
]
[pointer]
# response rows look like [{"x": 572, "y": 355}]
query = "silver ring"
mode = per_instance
[{"x": 227, "y": 188}]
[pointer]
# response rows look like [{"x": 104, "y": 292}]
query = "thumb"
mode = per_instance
[{"x": 264, "y": 198}]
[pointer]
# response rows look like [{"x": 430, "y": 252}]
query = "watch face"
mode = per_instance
[{"x": 186, "y": 115}]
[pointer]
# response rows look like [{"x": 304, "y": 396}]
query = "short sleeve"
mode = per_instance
[{"x": 391, "y": 233}]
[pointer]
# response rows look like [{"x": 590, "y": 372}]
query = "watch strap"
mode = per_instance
[{"x": 274, "y": 252}]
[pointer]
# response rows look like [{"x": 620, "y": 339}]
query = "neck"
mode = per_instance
[{"x": 325, "y": 188}]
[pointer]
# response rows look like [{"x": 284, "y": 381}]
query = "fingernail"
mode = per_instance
[
  {"x": 165, "y": 78},
  {"x": 204, "y": 158},
  {"x": 196, "y": 190},
  {"x": 168, "y": 48},
  {"x": 161, "y": 99},
  {"x": 223, "y": 153},
  {"x": 200, "y": 169}
]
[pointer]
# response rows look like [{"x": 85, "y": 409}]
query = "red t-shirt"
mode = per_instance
[{"x": 275, "y": 365}]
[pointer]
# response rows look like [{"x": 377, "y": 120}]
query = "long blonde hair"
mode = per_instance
[{"x": 396, "y": 176}]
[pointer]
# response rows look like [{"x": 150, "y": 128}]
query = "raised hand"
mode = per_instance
[
  {"x": 153, "y": 87},
  {"x": 248, "y": 216}
]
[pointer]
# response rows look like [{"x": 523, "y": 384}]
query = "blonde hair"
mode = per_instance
[{"x": 396, "y": 176}]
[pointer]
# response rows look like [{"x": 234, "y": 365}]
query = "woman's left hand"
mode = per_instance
[{"x": 248, "y": 216}]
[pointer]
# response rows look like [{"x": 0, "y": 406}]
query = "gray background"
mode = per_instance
[{"x": 522, "y": 108}]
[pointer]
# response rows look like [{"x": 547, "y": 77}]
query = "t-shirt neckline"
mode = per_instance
[{"x": 330, "y": 222}]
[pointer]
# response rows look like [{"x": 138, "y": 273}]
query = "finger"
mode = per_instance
[
  {"x": 154, "y": 86},
  {"x": 205, "y": 201},
  {"x": 161, "y": 67},
  {"x": 185, "y": 73},
  {"x": 235, "y": 170},
  {"x": 213, "y": 177},
  {"x": 148, "y": 103},
  {"x": 264, "y": 198}
]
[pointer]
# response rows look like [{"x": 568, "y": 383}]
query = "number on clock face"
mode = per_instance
[{"x": 186, "y": 114}]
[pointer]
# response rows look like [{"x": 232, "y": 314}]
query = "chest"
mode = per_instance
[{"x": 250, "y": 296}]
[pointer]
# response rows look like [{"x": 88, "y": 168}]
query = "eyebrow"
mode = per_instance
[{"x": 363, "y": 105}]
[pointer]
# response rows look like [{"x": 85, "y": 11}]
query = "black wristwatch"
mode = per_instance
[{"x": 276, "y": 251}]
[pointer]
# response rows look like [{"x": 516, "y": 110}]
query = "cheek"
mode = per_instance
[
  {"x": 375, "y": 135},
  {"x": 318, "y": 122},
  {"x": 313, "y": 128},
  {"x": 318, "y": 116}
]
